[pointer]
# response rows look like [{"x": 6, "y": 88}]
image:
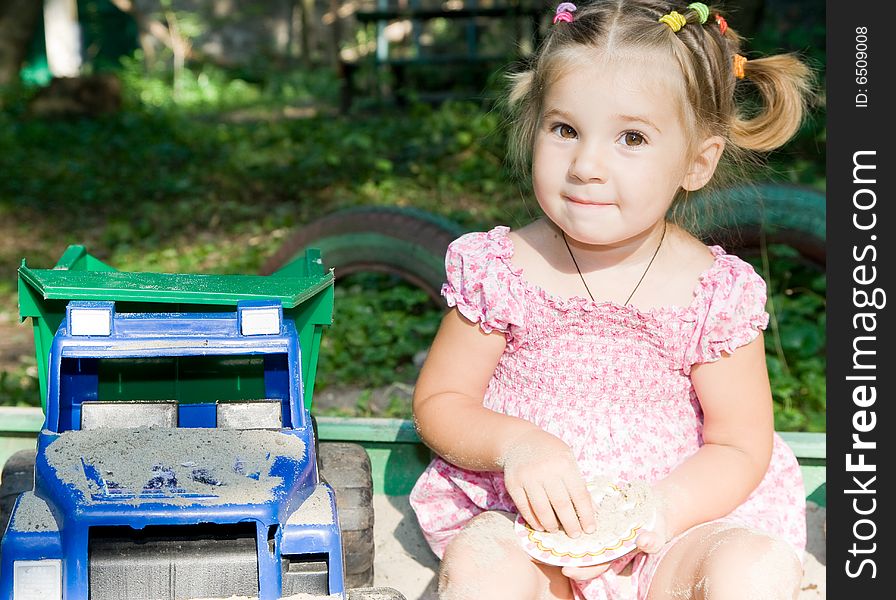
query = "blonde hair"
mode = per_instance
[{"x": 713, "y": 103}]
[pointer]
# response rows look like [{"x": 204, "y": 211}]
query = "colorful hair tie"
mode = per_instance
[
  {"x": 564, "y": 12},
  {"x": 723, "y": 24},
  {"x": 739, "y": 63},
  {"x": 674, "y": 20},
  {"x": 701, "y": 9}
]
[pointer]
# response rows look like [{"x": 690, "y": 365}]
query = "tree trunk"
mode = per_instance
[
  {"x": 18, "y": 21},
  {"x": 62, "y": 37},
  {"x": 336, "y": 32}
]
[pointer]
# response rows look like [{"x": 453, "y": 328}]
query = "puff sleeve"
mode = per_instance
[
  {"x": 730, "y": 314},
  {"x": 481, "y": 283}
]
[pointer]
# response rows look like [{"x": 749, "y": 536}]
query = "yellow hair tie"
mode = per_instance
[
  {"x": 739, "y": 62},
  {"x": 674, "y": 20}
]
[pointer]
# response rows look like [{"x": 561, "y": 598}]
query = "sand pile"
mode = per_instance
[{"x": 148, "y": 464}]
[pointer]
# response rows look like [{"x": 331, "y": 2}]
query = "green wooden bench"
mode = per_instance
[{"x": 396, "y": 453}]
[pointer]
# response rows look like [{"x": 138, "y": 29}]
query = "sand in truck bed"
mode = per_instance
[{"x": 173, "y": 465}]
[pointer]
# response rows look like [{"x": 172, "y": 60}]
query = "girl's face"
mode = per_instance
[{"x": 611, "y": 150}]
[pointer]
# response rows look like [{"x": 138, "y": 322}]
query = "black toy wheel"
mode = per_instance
[
  {"x": 346, "y": 467},
  {"x": 17, "y": 477}
]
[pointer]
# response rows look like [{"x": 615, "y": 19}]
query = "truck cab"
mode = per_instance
[{"x": 177, "y": 458}]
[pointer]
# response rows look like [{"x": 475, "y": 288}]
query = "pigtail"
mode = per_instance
[
  {"x": 523, "y": 104},
  {"x": 520, "y": 86},
  {"x": 784, "y": 83}
]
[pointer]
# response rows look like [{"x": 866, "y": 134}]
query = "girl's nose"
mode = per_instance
[{"x": 588, "y": 166}]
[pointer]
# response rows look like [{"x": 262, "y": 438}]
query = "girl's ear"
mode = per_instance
[{"x": 704, "y": 164}]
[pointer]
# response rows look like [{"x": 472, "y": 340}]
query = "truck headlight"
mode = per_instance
[
  {"x": 259, "y": 317},
  {"x": 37, "y": 580}
]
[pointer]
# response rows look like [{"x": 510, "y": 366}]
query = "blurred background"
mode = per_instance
[{"x": 199, "y": 136}]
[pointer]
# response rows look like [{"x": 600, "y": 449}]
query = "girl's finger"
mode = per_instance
[
  {"x": 541, "y": 506},
  {"x": 583, "y": 504},
  {"x": 585, "y": 573},
  {"x": 649, "y": 542},
  {"x": 564, "y": 509},
  {"x": 518, "y": 495}
]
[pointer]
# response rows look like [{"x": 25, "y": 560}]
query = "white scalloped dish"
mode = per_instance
[{"x": 622, "y": 512}]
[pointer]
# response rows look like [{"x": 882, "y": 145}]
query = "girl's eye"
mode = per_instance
[
  {"x": 632, "y": 139},
  {"x": 565, "y": 131}
]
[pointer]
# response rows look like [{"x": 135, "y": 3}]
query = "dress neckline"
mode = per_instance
[{"x": 720, "y": 259}]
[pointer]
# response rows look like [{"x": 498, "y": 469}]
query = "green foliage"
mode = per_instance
[
  {"x": 796, "y": 339},
  {"x": 18, "y": 386},
  {"x": 380, "y": 324},
  {"x": 208, "y": 88},
  {"x": 397, "y": 407}
]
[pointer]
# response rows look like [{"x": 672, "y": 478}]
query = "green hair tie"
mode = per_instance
[{"x": 701, "y": 9}]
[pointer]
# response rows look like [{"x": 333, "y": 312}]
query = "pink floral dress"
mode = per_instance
[{"x": 611, "y": 381}]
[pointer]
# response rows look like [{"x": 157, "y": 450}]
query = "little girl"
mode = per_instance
[{"x": 605, "y": 341}]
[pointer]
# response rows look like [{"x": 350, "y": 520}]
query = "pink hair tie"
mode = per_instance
[{"x": 564, "y": 12}]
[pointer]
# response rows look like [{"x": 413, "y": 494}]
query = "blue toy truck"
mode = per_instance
[{"x": 178, "y": 459}]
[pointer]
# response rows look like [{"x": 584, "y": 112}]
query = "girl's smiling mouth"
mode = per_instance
[{"x": 586, "y": 202}]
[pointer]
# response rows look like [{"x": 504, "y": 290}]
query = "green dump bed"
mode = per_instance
[{"x": 305, "y": 290}]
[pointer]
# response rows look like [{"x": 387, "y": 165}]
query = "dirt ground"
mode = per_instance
[
  {"x": 25, "y": 232},
  {"x": 404, "y": 561},
  {"x": 16, "y": 340}
]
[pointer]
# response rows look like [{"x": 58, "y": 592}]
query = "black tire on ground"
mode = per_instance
[
  {"x": 406, "y": 242},
  {"x": 753, "y": 215},
  {"x": 346, "y": 467},
  {"x": 17, "y": 477}
]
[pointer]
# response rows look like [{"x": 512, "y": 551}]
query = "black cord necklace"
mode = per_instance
[{"x": 637, "y": 285}]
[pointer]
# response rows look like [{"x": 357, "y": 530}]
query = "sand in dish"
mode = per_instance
[{"x": 622, "y": 511}]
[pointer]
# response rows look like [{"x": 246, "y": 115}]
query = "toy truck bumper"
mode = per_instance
[
  {"x": 204, "y": 560},
  {"x": 31, "y": 552}
]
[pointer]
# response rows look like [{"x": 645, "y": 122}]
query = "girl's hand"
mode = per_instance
[
  {"x": 652, "y": 541},
  {"x": 648, "y": 541},
  {"x": 543, "y": 479},
  {"x": 585, "y": 573}
]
